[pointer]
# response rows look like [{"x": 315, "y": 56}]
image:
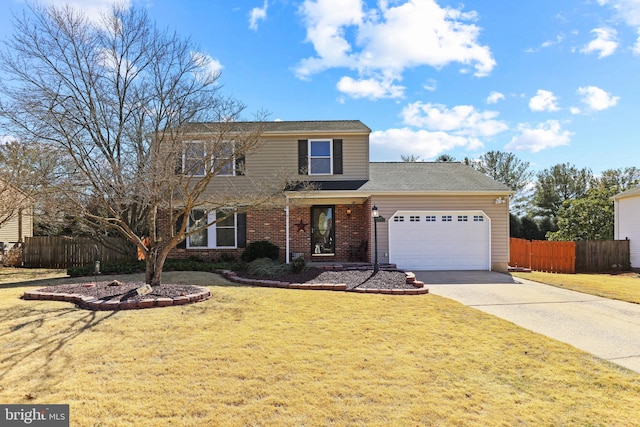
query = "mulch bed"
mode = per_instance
[
  {"x": 116, "y": 295},
  {"x": 356, "y": 278},
  {"x": 122, "y": 291}
]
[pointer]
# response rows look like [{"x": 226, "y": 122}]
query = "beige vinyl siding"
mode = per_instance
[
  {"x": 9, "y": 231},
  {"x": 278, "y": 155},
  {"x": 498, "y": 213}
]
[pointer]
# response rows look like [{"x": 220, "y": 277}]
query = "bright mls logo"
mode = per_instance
[{"x": 34, "y": 415}]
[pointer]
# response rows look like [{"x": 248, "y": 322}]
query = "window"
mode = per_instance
[
  {"x": 222, "y": 234},
  {"x": 414, "y": 218},
  {"x": 463, "y": 218},
  {"x": 196, "y": 159},
  {"x": 398, "y": 219},
  {"x": 223, "y": 162},
  {"x": 478, "y": 218},
  {"x": 446, "y": 218},
  {"x": 430, "y": 218},
  {"x": 193, "y": 159},
  {"x": 320, "y": 162}
]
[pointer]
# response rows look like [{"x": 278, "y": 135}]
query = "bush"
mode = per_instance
[
  {"x": 266, "y": 267},
  {"x": 13, "y": 258},
  {"x": 260, "y": 249},
  {"x": 298, "y": 265}
]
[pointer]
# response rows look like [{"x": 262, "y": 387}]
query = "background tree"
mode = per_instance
[
  {"x": 507, "y": 169},
  {"x": 618, "y": 180},
  {"x": 445, "y": 158},
  {"x": 556, "y": 185},
  {"x": 588, "y": 218},
  {"x": 118, "y": 97},
  {"x": 410, "y": 158}
]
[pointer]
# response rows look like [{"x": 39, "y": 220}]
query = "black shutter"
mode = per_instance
[
  {"x": 303, "y": 154},
  {"x": 240, "y": 165},
  {"x": 241, "y": 218},
  {"x": 183, "y": 244},
  {"x": 337, "y": 157},
  {"x": 178, "y": 167}
]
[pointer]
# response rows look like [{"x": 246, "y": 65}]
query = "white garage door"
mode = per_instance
[{"x": 440, "y": 240}]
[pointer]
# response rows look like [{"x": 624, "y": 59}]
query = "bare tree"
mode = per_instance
[{"x": 139, "y": 113}]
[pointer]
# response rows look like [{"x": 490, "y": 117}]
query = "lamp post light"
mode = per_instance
[{"x": 376, "y": 219}]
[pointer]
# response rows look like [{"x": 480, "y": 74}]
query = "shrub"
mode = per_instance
[
  {"x": 13, "y": 258},
  {"x": 260, "y": 249},
  {"x": 266, "y": 267},
  {"x": 298, "y": 265}
]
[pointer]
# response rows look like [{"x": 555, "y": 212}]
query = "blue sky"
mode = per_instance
[{"x": 551, "y": 81}]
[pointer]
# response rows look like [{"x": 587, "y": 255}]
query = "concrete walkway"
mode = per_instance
[{"x": 606, "y": 328}]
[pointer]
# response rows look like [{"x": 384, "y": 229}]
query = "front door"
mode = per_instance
[{"x": 323, "y": 235}]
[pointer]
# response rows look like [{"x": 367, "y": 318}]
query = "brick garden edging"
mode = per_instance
[
  {"x": 92, "y": 303},
  {"x": 411, "y": 278}
]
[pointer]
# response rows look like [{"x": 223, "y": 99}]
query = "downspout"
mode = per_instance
[{"x": 286, "y": 210}]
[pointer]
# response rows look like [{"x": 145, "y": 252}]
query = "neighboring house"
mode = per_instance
[
  {"x": 438, "y": 216},
  {"x": 16, "y": 215},
  {"x": 627, "y": 222}
]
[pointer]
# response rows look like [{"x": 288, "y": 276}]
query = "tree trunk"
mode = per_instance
[{"x": 154, "y": 265}]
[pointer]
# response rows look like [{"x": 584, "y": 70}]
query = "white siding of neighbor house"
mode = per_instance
[
  {"x": 9, "y": 231},
  {"x": 498, "y": 214},
  {"x": 627, "y": 225},
  {"x": 278, "y": 155}
]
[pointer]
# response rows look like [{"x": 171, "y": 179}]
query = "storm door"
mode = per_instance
[{"x": 323, "y": 235}]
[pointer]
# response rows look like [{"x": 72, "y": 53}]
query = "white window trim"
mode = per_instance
[
  {"x": 211, "y": 233},
  {"x": 309, "y": 157}
]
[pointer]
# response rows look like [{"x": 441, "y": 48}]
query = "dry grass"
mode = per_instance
[
  {"x": 262, "y": 357},
  {"x": 624, "y": 287},
  {"x": 19, "y": 275}
]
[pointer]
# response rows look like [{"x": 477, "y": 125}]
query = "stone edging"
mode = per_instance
[
  {"x": 419, "y": 288},
  {"x": 92, "y": 303}
]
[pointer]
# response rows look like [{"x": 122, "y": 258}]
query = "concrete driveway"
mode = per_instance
[{"x": 605, "y": 328}]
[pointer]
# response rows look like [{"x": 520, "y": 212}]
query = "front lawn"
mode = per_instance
[
  {"x": 624, "y": 287},
  {"x": 265, "y": 356}
]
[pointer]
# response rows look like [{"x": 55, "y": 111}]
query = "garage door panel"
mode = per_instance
[{"x": 451, "y": 240}]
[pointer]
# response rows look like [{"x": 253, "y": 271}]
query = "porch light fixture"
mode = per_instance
[
  {"x": 349, "y": 211},
  {"x": 375, "y": 214},
  {"x": 500, "y": 200}
]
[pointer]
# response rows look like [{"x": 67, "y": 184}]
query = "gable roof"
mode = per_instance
[
  {"x": 429, "y": 177},
  {"x": 285, "y": 127},
  {"x": 629, "y": 193}
]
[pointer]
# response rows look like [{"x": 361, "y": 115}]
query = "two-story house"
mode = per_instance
[{"x": 438, "y": 216}]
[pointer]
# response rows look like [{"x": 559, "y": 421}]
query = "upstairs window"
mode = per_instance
[
  {"x": 198, "y": 159},
  {"x": 223, "y": 162},
  {"x": 194, "y": 159},
  {"x": 320, "y": 155}
]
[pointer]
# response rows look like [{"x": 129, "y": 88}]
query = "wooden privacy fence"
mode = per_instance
[
  {"x": 601, "y": 255},
  {"x": 543, "y": 255},
  {"x": 569, "y": 257},
  {"x": 71, "y": 251}
]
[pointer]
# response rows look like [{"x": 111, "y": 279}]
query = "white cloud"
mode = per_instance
[
  {"x": 627, "y": 11},
  {"x": 545, "y": 135},
  {"x": 597, "y": 99},
  {"x": 210, "y": 67},
  {"x": 387, "y": 40},
  {"x": 369, "y": 88},
  {"x": 544, "y": 100},
  {"x": 461, "y": 120},
  {"x": 494, "y": 97},
  {"x": 257, "y": 14},
  {"x": 431, "y": 85},
  {"x": 604, "y": 44},
  {"x": 422, "y": 143},
  {"x": 93, "y": 9}
]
